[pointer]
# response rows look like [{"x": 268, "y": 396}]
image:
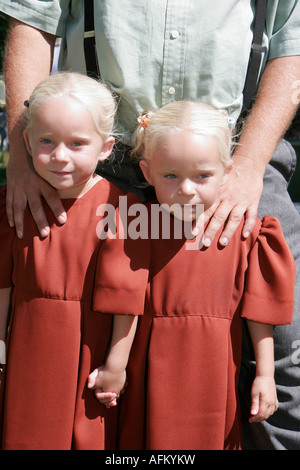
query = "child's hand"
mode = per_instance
[
  {"x": 263, "y": 399},
  {"x": 107, "y": 385}
]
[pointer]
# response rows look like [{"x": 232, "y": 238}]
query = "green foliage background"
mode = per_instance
[{"x": 3, "y": 32}]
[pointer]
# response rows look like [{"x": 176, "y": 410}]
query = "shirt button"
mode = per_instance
[
  {"x": 174, "y": 34},
  {"x": 171, "y": 90}
]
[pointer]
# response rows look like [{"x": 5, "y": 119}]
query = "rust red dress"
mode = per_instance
[
  {"x": 184, "y": 363},
  {"x": 45, "y": 403}
]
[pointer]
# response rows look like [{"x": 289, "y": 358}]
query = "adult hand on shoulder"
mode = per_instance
[
  {"x": 239, "y": 195},
  {"x": 24, "y": 185},
  {"x": 267, "y": 122}
]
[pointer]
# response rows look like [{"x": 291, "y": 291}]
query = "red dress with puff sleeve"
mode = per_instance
[
  {"x": 44, "y": 400},
  {"x": 184, "y": 363}
]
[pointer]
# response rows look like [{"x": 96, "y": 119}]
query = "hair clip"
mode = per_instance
[
  {"x": 143, "y": 120},
  {"x": 26, "y": 103}
]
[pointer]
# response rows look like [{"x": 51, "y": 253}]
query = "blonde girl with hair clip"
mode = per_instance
[
  {"x": 184, "y": 362},
  {"x": 47, "y": 283}
]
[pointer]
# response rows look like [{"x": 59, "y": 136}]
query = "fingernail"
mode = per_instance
[
  {"x": 224, "y": 241},
  {"x": 19, "y": 234},
  {"x": 246, "y": 234},
  {"x": 195, "y": 231},
  {"x": 45, "y": 232},
  {"x": 207, "y": 242},
  {"x": 62, "y": 218}
]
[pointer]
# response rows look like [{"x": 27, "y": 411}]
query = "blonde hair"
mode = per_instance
[
  {"x": 93, "y": 95},
  {"x": 178, "y": 116}
]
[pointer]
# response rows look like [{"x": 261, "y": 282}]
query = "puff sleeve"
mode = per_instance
[
  {"x": 7, "y": 236},
  {"x": 122, "y": 274},
  {"x": 269, "y": 284}
]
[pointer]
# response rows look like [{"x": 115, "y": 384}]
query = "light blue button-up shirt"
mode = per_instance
[{"x": 155, "y": 51}]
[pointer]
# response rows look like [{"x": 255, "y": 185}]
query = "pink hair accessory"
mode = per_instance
[{"x": 143, "y": 120}]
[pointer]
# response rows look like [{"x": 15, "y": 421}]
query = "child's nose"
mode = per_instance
[
  {"x": 60, "y": 152},
  {"x": 187, "y": 187}
]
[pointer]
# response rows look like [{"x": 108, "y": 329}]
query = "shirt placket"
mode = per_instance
[{"x": 174, "y": 50}]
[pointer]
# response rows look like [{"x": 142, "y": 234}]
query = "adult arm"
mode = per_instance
[
  {"x": 268, "y": 121},
  {"x": 28, "y": 60}
]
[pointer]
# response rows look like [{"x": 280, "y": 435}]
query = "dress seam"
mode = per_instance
[
  {"x": 33, "y": 296},
  {"x": 192, "y": 315}
]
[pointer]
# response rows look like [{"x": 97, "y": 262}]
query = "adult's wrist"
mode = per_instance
[{"x": 244, "y": 161}]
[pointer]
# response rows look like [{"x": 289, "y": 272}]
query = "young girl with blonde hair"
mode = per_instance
[
  {"x": 184, "y": 362},
  {"x": 70, "y": 127}
]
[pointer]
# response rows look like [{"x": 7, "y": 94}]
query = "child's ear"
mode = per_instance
[
  {"x": 145, "y": 169},
  {"x": 27, "y": 141},
  {"x": 106, "y": 148}
]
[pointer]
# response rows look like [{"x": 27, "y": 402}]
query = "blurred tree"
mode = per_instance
[{"x": 3, "y": 32}]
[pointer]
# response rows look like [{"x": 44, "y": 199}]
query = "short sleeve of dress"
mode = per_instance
[
  {"x": 122, "y": 273},
  {"x": 269, "y": 286},
  {"x": 7, "y": 235}
]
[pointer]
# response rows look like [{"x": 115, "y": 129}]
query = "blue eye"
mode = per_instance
[
  {"x": 46, "y": 141},
  {"x": 77, "y": 144},
  {"x": 171, "y": 176}
]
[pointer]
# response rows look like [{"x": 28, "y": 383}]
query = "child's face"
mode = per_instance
[
  {"x": 65, "y": 146},
  {"x": 186, "y": 170}
]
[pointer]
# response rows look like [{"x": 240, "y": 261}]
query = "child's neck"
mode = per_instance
[{"x": 78, "y": 192}]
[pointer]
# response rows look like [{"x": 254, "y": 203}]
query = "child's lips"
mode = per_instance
[
  {"x": 61, "y": 173},
  {"x": 189, "y": 206}
]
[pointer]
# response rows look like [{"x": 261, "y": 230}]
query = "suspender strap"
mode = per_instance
[
  {"x": 256, "y": 54},
  {"x": 90, "y": 52}
]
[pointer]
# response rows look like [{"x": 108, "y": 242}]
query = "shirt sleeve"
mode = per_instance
[
  {"x": 49, "y": 16},
  {"x": 7, "y": 236},
  {"x": 269, "y": 285},
  {"x": 285, "y": 31},
  {"x": 122, "y": 272}
]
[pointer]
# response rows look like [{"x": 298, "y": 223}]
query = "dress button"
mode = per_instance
[
  {"x": 174, "y": 34},
  {"x": 171, "y": 90}
]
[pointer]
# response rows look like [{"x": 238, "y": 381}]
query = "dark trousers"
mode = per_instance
[
  {"x": 124, "y": 172},
  {"x": 282, "y": 429}
]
